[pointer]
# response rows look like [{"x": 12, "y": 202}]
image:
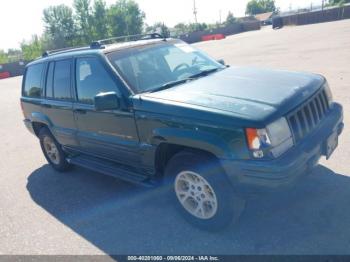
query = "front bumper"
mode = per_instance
[{"x": 285, "y": 170}]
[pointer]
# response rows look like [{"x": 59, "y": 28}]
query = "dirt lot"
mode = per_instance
[{"x": 82, "y": 212}]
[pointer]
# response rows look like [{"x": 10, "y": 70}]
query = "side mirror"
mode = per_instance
[
  {"x": 106, "y": 101},
  {"x": 221, "y": 61}
]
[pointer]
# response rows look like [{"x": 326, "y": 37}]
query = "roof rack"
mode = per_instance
[
  {"x": 101, "y": 43},
  {"x": 64, "y": 50}
]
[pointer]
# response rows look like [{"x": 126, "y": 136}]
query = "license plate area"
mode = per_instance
[{"x": 331, "y": 144}]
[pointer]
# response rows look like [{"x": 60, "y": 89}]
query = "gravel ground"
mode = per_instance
[{"x": 82, "y": 212}]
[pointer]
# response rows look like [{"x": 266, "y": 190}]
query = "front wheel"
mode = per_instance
[{"x": 202, "y": 191}]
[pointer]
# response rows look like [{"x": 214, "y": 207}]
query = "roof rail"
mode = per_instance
[
  {"x": 99, "y": 43},
  {"x": 63, "y": 50}
]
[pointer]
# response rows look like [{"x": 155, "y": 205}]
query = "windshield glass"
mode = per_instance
[{"x": 151, "y": 67}]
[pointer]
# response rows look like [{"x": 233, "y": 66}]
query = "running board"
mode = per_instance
[{"x": 111, "y": 169}]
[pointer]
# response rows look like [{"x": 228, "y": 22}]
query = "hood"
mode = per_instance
[{"x": 249, "y": 93}]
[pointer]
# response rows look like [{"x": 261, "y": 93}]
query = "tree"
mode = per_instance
[
  {"x": 193, "y": 27},
  {"x": 60, "y": 26},
  {"x": 3, "y": 57},
  {"x": 230, "y": 19},
  {"x": 159, "y": 28},
  {"x": 83, "y": 20},
  {"x": 181, "y": 29},
  {"x": 100, "y": 20},
  {"x": 14, "y": 55},
  {"x": 65, "y": 27},
  {"x": 260, "y": 6},
  {"x": 125, "y": 18},
  {"x": 337, "y": 2},
  {"x": 32, "y": 49}
]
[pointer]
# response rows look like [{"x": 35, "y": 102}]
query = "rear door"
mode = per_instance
[
  {"x": 109, "y": 134},
  {"x": 58, "y": 105}
]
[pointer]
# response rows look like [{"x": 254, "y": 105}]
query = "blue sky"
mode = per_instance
[{"x": 19, "y": 19}]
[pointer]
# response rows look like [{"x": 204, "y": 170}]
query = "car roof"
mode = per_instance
[{"x": 102, "y": 50}]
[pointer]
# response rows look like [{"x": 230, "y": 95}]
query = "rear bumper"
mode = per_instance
[{"x": 285, "y": 170}]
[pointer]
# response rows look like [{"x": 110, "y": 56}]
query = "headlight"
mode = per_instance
[
  {"x": 328, "y": 93},
  {"x": 275, "y": 139}
]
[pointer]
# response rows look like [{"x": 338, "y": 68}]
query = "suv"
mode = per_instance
[{"x": 158, "y": 111}]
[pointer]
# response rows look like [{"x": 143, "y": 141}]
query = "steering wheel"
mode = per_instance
[{"x": 177, "y": 68}]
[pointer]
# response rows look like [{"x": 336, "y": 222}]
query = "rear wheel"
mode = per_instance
[
  {"x": 52, "y": 150},
  {"x": 202, "y": 192}
]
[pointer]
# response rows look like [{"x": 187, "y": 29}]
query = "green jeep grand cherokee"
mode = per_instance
[{"x": 158, "y": 111}]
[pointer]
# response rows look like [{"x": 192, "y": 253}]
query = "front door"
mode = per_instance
[{"x": 109, "y": 134}]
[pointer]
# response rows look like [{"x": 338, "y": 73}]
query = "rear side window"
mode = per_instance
[
  {"x": 62, "y": 80},
  {"x": 32, "y": 84}
]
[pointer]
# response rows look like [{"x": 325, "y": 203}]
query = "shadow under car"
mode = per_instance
[{"x": 120, "y": 218}]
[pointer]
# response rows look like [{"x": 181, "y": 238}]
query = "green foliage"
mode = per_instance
[
  {"x": 14, "y": 55},
  {"x": 32, "y": 49},
  {"x": 125, "y": 18},
  {"x": 3, "y": 57},
  {"x": 66, "y": 27},
  {"x": 100, "y": 20},
  {"x": 337, "y": 2},
  {"x": 181, "y": 29},
  {"x": 260, "y": 6},
  {"x": 193, "y": 27},
  {"x": 160, "y": 28},
  {"x": 230, "y": 19},
  {"x": 60, "y": 26},
  {"x": 83, "y": 21}
]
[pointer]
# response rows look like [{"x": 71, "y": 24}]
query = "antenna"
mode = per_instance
[{"x": 195, "y": 11}]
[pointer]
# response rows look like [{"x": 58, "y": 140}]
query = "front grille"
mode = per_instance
[{"x": 305, "y": 119}]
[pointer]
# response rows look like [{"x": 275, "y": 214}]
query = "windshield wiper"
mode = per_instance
[
  {"x": 206, "y": 72},
  {"x": 170, "y": 84}
]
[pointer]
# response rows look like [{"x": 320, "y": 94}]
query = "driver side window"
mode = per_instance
[{"x": 92, "y": 79}]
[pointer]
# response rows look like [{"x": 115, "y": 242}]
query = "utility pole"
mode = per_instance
[
  {"x": 195, "y": 11},
  {"x": 220, "y": 16},
  {"x": 322, "y": 4}
]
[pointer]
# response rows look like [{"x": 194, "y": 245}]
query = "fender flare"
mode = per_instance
[
  {"x": 41, "y": 118},
  {"x": 192, "y": 138}
]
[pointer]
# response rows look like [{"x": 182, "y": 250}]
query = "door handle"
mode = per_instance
[
  {"x": 47, "y": 105},
  {"x": 80, "y": 111}
]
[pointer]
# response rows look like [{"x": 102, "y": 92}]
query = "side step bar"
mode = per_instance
[{"x": 111, "y": 169}]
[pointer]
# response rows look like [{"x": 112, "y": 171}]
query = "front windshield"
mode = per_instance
[{"x": 150, "y": 67}]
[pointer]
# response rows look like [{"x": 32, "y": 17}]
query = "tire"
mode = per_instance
[
  {"x": 53, "y": 151},
  {"x": 187, "y": 169}
]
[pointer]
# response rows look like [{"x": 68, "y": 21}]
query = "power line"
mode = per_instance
[{"x": 195, "y": 11}]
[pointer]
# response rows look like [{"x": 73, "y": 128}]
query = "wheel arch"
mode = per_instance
[
  {"x": 166, "y": 151},
  {"x": 170, "y": 141},
  {"x": 37, "y": 126},
  {"x": 39, "y": 120}
]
